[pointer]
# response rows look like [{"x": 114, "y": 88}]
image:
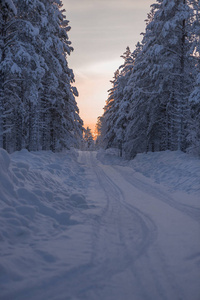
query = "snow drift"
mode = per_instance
[{"x": 39, "y": 192}]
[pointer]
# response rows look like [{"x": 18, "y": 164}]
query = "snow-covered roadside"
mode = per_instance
[
  {"x": 39, "y": 194},
  {"x": 175, "y": 170},
  {"x": 165, "y": 186}
]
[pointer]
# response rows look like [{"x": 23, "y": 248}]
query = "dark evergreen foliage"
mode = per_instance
[
  {"x": 88, "y": 140},
  {"x": 160, "y": 91},
  {"x": 37, "y": 101}
]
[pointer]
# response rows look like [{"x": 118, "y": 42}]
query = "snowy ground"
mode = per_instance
[{"x": 79, "y": 226}]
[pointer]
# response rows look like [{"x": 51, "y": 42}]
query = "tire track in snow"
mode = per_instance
[
  {"x": 167, "y": 275},
  {"x": 146, "y": 232},
  {"x": 121, "y": 235},
  {"x": 148, "y": 228},
  {"x": 170, "y": 286}
]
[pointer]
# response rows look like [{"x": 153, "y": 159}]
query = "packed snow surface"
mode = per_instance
[{"x": 92, "y": 226}]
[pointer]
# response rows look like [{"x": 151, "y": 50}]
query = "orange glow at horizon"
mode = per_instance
[
  {"x": 98, "y": 44},
  {"x": 92, "y": 97},
  {"x": 91, "y": 126}
]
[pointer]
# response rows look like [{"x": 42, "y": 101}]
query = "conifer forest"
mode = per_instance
[
  {"x": 154, "y": 101},
  {"x": 38, "y": 110}
]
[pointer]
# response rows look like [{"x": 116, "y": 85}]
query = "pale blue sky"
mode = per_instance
[{"x": 101, "y": 31}]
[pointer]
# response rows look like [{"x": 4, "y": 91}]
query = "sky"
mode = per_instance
[{"x": 100, "y": 32}]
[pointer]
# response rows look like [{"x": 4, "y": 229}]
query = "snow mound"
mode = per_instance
[
  {"x": 39, "y": 196},
  {"x": 174, "y": 169}
]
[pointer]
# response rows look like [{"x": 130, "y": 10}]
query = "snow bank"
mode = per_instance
[
  {"x": 39, "y": 194},
  {"x": 175, "y": 170}
]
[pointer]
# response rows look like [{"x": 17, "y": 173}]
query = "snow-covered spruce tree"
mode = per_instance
[
  {"x": 99, "y": 132},
  {"x": 62, "y": 126},
  {"x": 39, "y": 110},
  {"x": 123, "y": 96},
  {"x": 163, "y": 80},
  {"x": 107, "y": 126},
  {"x": 193, "y": 137},
  {"x": 31, "y": 62},
  {"x": 88, "y": 139},
  {"x": 8, "y": 69},
  {"x": 143, "y": 112},
  {"x": 116, "y": 109},
  {"x": 22, "y": 76},
  {"x": 121, "y": 99}
]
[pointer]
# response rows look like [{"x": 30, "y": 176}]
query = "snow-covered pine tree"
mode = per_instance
[
  {"x": 7, "y": 65},
  {"x": 163, "y": 79},
  {"x": 38, "y": 107},
  {"x": 99, "y": 132},
  {"x": 88, "y": 139},
  {"x": 22, "y": 77},
  {"x": 114, "y": 119},
  {"x": 30, "y": 59},
  {"x": 193, "y": 137},
  {"x": 107, "y": 126},
  {"x": 121, "y": 116},
  {"x": 62, "y": 126}
]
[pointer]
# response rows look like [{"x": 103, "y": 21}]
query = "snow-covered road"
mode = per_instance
[
  {"x": 143, "y": 240},
  {"x": 131, "y": 240}
]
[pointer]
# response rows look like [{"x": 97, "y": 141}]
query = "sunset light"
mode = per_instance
[{"x": 99, "y": 38}]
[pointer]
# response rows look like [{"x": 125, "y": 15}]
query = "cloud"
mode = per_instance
[{"x": 99, "y": 68}]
